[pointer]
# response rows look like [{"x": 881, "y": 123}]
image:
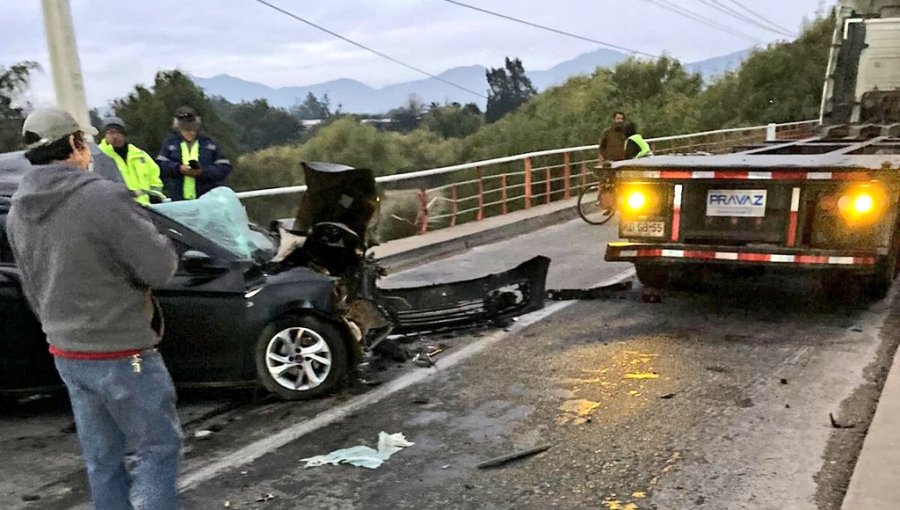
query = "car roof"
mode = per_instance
[{"x": 13, "y": 166}]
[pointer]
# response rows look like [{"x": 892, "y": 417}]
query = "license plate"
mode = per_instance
[
  {"x": 744, "y": 203},
  {"x": 644, "y": 229}
]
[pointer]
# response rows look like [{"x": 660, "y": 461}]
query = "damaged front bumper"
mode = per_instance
[{"x": 489, "y": 300}]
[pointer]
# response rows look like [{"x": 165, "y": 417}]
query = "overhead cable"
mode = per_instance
[
  {"x": 719, "y": 6},
  {"x": 370, "y": 50},
  {"x": 702, "y": 19},
  {"x": 760, "y": 17}
]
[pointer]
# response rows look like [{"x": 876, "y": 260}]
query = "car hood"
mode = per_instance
[{"x": 339, "y": 194}]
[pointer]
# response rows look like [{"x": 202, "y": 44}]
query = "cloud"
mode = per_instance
[{"x": 124, "y": 43}]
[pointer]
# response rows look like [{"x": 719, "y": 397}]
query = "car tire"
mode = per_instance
[{"x": 283, "y": 367}]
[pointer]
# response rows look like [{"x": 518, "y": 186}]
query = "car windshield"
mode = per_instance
[{"x": 220, "y": 217}]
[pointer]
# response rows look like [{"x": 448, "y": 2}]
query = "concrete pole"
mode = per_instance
[
  {"x": 771, "y": 132},
  {"x": 64, "y": 63}
]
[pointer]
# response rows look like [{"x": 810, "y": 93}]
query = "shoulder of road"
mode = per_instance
[{"x": 874, "y": 484}]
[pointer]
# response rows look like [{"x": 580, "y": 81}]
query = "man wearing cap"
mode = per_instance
[
  {"x": 190, "y": 164},
  {"x": 88, "y": 256},
  {"x": 138, "y": 169}
]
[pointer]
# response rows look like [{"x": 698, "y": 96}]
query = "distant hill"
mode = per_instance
[{"x": 357, "y": 97}]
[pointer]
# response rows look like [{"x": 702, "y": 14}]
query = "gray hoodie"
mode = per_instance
[{"x": 88, "y": 255}]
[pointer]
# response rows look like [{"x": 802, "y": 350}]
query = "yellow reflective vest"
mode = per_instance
[
  {"x": 139, "y": 172},
  {"x": 643, "y": 146}
]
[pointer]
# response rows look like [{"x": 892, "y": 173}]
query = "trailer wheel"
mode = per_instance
[{"x": 652, "y": 276}]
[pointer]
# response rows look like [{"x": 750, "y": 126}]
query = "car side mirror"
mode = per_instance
[{"x": 195, "y": 261}]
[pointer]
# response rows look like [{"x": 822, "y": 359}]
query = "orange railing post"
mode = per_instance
[
  {"x": 503, "y": 193},
  {"x": 455, "y": 206},
  {"x": 422, "y": 218},
  {"x": 527, "y": 183},
  {"x": 567, "y": 177},
  {"x": 480, "y": 214}
]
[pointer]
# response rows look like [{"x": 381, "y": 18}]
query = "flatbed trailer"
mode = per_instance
[
  {"x": 819, "y": 203},
  {"x": 828, "y": 203}
]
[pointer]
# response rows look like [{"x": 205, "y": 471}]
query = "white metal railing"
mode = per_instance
[{"x": 493, "y": 188}]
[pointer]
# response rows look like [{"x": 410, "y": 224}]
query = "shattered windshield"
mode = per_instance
[{"x": 220, "y": 217}]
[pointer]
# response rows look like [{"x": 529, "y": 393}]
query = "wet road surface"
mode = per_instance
[{"x": 711, "y": 400}]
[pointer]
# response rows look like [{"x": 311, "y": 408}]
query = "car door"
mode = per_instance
[
  {"x": 25, "y": 362},
  {"x": 206, "y": 333}
]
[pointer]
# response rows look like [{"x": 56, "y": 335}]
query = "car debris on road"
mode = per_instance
[{"x": 363, "y": 456}]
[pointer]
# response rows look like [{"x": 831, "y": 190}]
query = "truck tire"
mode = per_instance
[{"x": 652, "y": 275}]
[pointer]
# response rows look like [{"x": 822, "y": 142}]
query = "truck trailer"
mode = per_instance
[{"x": 828, "y": 203}]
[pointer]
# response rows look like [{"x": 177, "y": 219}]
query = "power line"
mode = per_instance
[
  {"x": 370, "y": 50},
  {"x": 759, "y": 17},
  {"x": 703, "y": 20},
  {"x": 551, "y": 29},
  {"x": 719, "y": 6}
]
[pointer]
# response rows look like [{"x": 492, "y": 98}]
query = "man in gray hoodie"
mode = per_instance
[{"x": 88, "y": 256}]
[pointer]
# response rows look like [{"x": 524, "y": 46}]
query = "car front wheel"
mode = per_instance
[{"x": 301, "y": 357}]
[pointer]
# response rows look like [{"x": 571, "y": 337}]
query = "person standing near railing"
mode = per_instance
[
  {"x": 190, "y": 164},
  {"x": 612, "y": 141}
]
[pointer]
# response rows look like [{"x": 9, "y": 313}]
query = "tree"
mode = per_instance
[
  {"x": 781, "y": 83},
  {"x": 13, "y": 83},
  {"x": 509, "y": 88},
  {"x": 312, "y": 108},
  {"x": 407, "y": 117},
  {"x": 259, "y": 125},
  {"x": 453, "y": 120},
  {"x": 148, "y": 112}
]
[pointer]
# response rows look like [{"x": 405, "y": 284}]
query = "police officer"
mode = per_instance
[
  {"x": 138, "y": 170},
  {"x": 191, "y": 164}
]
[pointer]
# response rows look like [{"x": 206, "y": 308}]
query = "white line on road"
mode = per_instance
[{"x": 269, "y": 444}]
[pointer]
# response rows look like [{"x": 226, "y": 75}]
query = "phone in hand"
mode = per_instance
[{"x": 194, "y": 164}]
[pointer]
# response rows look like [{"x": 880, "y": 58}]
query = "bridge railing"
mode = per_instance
[{"x": 452, "y": 195}]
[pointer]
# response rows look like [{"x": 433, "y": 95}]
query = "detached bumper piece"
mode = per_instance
[
  {"x": 688, "y": 253},
  {"x": 490, "y": 300}
]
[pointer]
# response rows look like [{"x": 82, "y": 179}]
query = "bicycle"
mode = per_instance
[{"x": 597, "y": 202}]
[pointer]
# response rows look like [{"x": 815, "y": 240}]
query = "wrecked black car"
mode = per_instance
[{"x": 293, "y": 310}]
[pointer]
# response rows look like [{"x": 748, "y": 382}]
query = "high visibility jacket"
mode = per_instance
[
  {"x": 643, "y": 148},
  {"x": 140, "y": 172},
  {"x": 214, "y": 165}
]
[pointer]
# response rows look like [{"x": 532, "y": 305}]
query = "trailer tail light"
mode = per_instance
[
  {"x": 862, "y": 204},
  {"x": 636, "y": 200},
  {"x": 640, "y": 200}
]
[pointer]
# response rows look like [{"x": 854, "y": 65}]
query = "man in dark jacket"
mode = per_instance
[
  {"x": 190, "y": 164},
  {"x": 88, "y": 257},
  {"x": 612, "y": 141}
]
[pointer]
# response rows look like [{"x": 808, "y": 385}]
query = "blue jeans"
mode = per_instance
[{"x": 121, "y": 412}]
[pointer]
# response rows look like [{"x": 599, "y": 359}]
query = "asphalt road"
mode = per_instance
[{"x": 716, "y": 399}]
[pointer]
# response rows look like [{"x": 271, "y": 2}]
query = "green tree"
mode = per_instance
[
  {"x": 312, "y": 108},
  {"x": 13, "y": 82},
  {"x": 453, "y": 120},
  {"x": 149, "y": 112},
  {"x": 407, "y": 117},
  {"x": 259, "y": 125},
  {"x": 781, "y": 83},
  {"x": 509, "y": 88}
]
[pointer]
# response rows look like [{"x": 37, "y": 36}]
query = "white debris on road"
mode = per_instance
[{"x": 363, "y": 456}]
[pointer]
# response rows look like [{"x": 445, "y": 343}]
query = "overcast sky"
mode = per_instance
[{"x": 122, "y": 43}]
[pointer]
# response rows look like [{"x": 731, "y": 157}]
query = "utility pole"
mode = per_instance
[{"x": 65, "y": 66}]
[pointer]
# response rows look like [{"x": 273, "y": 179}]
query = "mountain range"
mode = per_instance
[{"x": 353, "y": 96}]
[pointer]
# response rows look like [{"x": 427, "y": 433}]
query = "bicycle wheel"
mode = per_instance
[{"x": 589, "y": 207}]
